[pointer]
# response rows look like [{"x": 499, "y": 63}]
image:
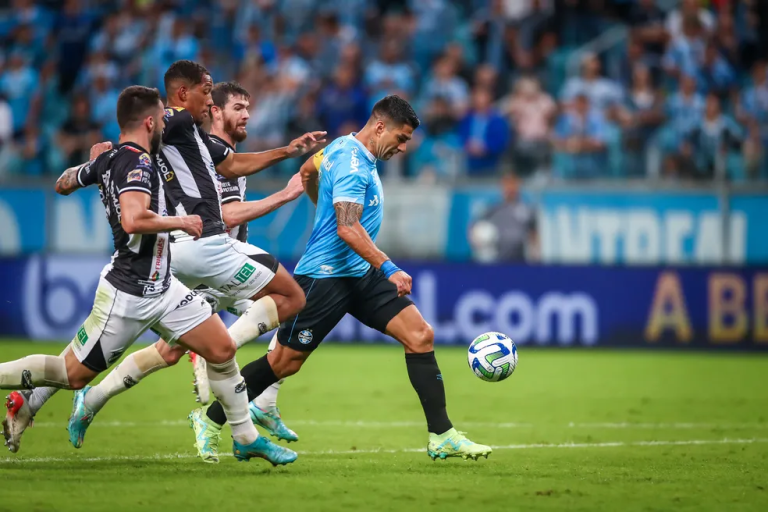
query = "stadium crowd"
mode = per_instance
[{"x": 682, "y": 92}]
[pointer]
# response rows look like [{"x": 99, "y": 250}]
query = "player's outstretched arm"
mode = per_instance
[
  {"x": 236, "y": 165},
  {"x": 237, "y": 212},
  {"x": 68, "y": 182},
  {"x": 137, "y": 218},
  {"x": 353, "y": 233}
]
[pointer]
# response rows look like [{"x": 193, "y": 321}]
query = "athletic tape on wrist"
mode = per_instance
[{"x": 389, "y": 268}]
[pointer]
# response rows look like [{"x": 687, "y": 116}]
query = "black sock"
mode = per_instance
[
  {"x": 258, "y": 376},
  {"x": 427, "y": 380}
]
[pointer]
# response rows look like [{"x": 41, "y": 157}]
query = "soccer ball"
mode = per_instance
[{"x": 492, "y": 356}]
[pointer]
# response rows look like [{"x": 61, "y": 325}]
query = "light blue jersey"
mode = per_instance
[{"x": 347, "y": 174}]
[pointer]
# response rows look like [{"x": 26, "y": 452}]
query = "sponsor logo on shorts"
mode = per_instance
[
  {"x": 26, "y": 379},
  {"x": 245, "y": 273},
  {"x": 240, "y": 387},
  {"x": 129, "y": 382},
  {"x": 234, "y": 311},
  {"x": 187, "y": 299},
  {"x": 305, "y": 337},
  {"x": 82, "y": 336}
]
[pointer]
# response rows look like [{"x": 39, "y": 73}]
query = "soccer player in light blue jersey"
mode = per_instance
[{"x": 342, "y": 271}]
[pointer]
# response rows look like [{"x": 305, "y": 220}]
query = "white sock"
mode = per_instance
[
  {"x": 127, "y": 374},
  {"x": 261, "y": 317},
  {"x": 229, "y": 387},
  {"x": 268, "y": 399},
  {"x": 43, "y": 394},
  {"x": 35, "y": 370}
]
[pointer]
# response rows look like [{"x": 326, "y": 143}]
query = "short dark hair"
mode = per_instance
[
  {"x": 184, "y": 70},
  {"x": 134, "y": 103},
  {"x": 397, "y": 110},
  {"x": 222, "y": 91}
]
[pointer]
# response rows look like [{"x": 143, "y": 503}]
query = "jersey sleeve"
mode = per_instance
[
  {"x": 133, "y": 174},
  {"x": 218, "y": 151},
  {"x": 350, "y": 181},
  {"x": 86, "y": 174},
  {"x": 230, "y": 191}
]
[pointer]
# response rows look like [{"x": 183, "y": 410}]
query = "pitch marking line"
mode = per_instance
[
  {"x": 177, "y": 456},
  {"x": 468, "y": 424}
]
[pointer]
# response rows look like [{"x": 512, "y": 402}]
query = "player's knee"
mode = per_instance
[
  {"x": 78, "y": 381},
  {"x": 422, "y": 340},
  {"x": 221, "y": 352},
  {"x": 298, "y": 301},
  {"x": 171, "y": 355}
]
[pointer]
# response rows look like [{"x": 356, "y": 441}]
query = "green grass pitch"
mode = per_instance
[{"x": 572, "y": 430}]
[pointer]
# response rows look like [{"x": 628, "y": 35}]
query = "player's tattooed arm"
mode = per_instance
[
  {"x": 67, "y": 182},
  {"x": 350, "y": 230}
]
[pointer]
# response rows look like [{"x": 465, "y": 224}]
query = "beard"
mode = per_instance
[
  {"x": 154, "y": 143},
  {"x": 238, "y": 133}
]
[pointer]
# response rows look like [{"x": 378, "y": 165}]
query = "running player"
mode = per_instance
[
  {"x": 136, "y": 290},
  {"x": 188, "y": 162},
  {"x": 228, "y": 116},
  {"x": 342, "y": 271}
]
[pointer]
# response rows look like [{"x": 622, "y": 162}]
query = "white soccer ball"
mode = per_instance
[{"x": 492, "y": 356}]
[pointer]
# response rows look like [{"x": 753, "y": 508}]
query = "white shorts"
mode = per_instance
[
  {"x": 236, "y": 269},
  {"x": 118, "y": 319},
  {"x": 222, "y": 302}
]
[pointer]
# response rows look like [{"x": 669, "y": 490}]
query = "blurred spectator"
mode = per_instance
[
  {"x": 715, "y": 75},
  {"x": 445, "y": 84},
  {"x": 439, "y": 151},
  {"x": 104, "y": 100},
  {"x": 640, "y": 117},
  {"x": 78, "y": 133},
  {"x": 710, "y": 144},
  {"x": 389, "y": 74},
  {"x": 28, "y": 156},
  {"x": 507, "y": 232},
  {"x": 98, "y": 65},
  {"x": 304, "y": 119},
  {"x": 647, "y": 22},
  {"x": 531, "y": 113},
  {"x": 689, "y": 9},
  {"x": 72, "y": 32},
  {"x": 685, "y": 53},
  {"x": 484, "y": 134},
  {"x": 581, "y": 138},
  {"x": 255, "y": 49},
  {"x": 685, "y": 108},
  {"x": 33, "y": 51},
  {"x": 601, "y": 92},
  {"x": 18, "y": 84},
  {"x": 6, "y": 123},
  {"x": 487, "y": 77},
  {"x": 341, "y": 102},
  {"x": 752, "y": 110}
]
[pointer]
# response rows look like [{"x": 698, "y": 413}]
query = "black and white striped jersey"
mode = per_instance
[
  {"x": 232, "y": 190},
  {"x": 187, "y": 162},
  {"x": 141, "y": 263}
]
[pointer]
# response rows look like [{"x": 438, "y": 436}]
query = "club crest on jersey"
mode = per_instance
[
  {"x": 135, "y": 175},
  {"x": 305, "y": 337},
  {"x": 145, "y": 160}
]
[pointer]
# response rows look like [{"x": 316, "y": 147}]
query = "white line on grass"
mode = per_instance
[
  {"x": 419, "y": 424},
  {"x": 177, "y": 456}
]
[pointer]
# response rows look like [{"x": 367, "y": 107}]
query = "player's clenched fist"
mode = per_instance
[
  {"x": 295, "y": 187},
  {"x": 192, "y": 225},
  {"x": 99, "y": 148},
  {"x": 306, "y": 143},
  {"x": 403, "y": 282}
]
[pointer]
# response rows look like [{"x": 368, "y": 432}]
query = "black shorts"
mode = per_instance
[{"x": 372, "y": 299}]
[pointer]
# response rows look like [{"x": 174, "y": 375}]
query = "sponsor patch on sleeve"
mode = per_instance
[
  {"x": 145, "y": 160},
  {"x": 138, "y": 175}
]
